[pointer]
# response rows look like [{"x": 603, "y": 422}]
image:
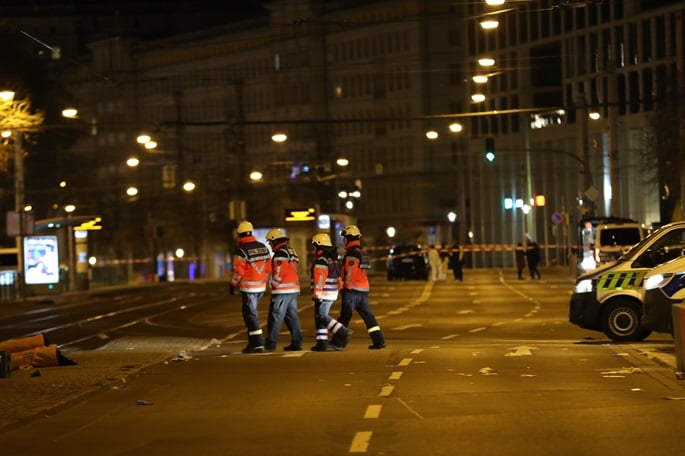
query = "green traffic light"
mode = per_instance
[{"x": 490, "y": 149}]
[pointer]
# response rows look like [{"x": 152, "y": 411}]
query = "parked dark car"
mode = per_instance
[{"x": 408, "y": 262}]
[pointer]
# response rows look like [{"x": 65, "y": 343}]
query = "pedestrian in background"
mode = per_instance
[
  {"x": 533, "y": 259},
  {"x": 355, "y": 286},
  {"x": 434, "y": 261},
  {"x": 444, "y": 263},
  {"x": 325, "y": 276},
  {"x": 457, "y": 262},
  {"x": 520, "y": 255},
  {"x": 285, "y": 289},
  {"x": 251, "y": 269}
]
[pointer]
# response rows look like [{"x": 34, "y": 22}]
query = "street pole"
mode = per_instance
[
  {"x": 612, "y": 99},
  {"x": 19, "y": 206},
  {"x": 529, "y": 184}
]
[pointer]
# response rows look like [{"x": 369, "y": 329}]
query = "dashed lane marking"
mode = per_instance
[
  {"x": 405, "y": 362},
  {"x": 360, "y": 442},
  {"x": 386, "y": 390},
  {"x": 402, "y": 328},
  {"x": 373, "y": 412},
  {"x": 395, "y": 375}
]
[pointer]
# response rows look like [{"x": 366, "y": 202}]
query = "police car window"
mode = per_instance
[{"x": 667, "y": 248}]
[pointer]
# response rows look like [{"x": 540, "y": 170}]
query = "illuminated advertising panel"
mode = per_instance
[{"x": 41, "y": 260}]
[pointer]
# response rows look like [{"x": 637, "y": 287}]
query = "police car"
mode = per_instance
[
  {"x": 610, "y": 298},
  {"x": 664, "y": 287}
]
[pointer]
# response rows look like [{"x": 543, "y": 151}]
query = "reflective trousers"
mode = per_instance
[
  {"x": 324, "y": 322},
  {"x": 359, "y": 300},
  {"x": 251, "y": 319}
]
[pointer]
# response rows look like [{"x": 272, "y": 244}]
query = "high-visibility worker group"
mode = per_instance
[{"x": 255, "y": 269}]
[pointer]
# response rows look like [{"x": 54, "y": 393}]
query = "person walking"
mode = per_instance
[
  {"x": 444, "y": 262},
  {"x": 251, "y": 269},
  {"x": 533, "y": 258},
  {"x": 285, "y": 289},
  {"x": 434, "y": 261},
  {"x": 457, "y": 262},
  {"x": 520, "y": 256},
  {"x": 325, "y": 276},
  {"x": 355, "y": 286}
]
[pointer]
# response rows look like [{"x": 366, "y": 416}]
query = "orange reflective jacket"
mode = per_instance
[
  {"x": 355, "y": 265},
  {"x": 284, "y": 263},
  {"x": 251, "y": 265}
]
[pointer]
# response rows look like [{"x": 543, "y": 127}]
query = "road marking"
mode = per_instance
[
  {"x": 475, "y": 330},
  {"x": 499, "y": 323},
  {"x": 416, "y": 351},
  {"x": 360, "y": 442},
  {"x": 402, "y": 328},
  {"x": 386, "y": 390},
  {"x": 395, "y": 376},
  {"x": 451, "y": 336},
  {"x": 373, "y": 412},
  {"x": 396, "y": 311},
  {"x": 405, "y": 362}
]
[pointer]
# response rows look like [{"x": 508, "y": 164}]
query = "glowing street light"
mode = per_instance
[
  {"x": 279, "y": 137},
  {"x": 478, "y": 98},
  {"x": 456, "y": 127},
  {"x": 489, "y": 24},
  {"x": 256, "y": 176},
  {"x": 432, "y": 134}
]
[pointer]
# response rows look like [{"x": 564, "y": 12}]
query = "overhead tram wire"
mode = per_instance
[{"x": 465, "y": 115}]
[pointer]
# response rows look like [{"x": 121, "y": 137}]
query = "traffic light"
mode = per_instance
[{"x": 490, "y": 149}]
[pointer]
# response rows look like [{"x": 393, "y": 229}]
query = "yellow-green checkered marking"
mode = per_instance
[{"x": 621, "y": 280}]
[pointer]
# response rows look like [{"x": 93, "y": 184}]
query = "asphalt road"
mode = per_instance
[{"x": 489, "y": 366}]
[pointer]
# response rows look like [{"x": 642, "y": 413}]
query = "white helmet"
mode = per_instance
[
  {"x": 351, "y": 230},
  {"x": 322, "y": 240},
  {"x": 245, "y": 227},
  {"x": 275, "y": 234}
]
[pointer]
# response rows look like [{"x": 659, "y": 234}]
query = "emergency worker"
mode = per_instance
[
  {"x": 285, "y": 289},
  {"x": 325, "y": 276},
  {"x": 251, "y": 269},
  {"x": 355, "y": 286}
]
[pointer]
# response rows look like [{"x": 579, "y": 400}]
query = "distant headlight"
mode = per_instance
[
  {"x": 584, "y": 286},
  {"x": 656, "y": 281}
]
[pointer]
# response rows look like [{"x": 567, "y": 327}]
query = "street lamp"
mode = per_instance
[{"x": 452, "y": 217}]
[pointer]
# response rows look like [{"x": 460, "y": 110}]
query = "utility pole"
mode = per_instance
[{"x": 612, "y": 99}]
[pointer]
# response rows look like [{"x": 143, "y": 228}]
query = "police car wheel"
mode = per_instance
[{"x": 621, "y": 321}]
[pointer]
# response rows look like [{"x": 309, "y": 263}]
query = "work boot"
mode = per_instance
[
  {"x": 340, "y": 339},
  {"x": 292, "y": 348},
  {"x": 249, "y": 349},
  {"x": 320, "y": 346},
  {"x": 377, "y": 339}
]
